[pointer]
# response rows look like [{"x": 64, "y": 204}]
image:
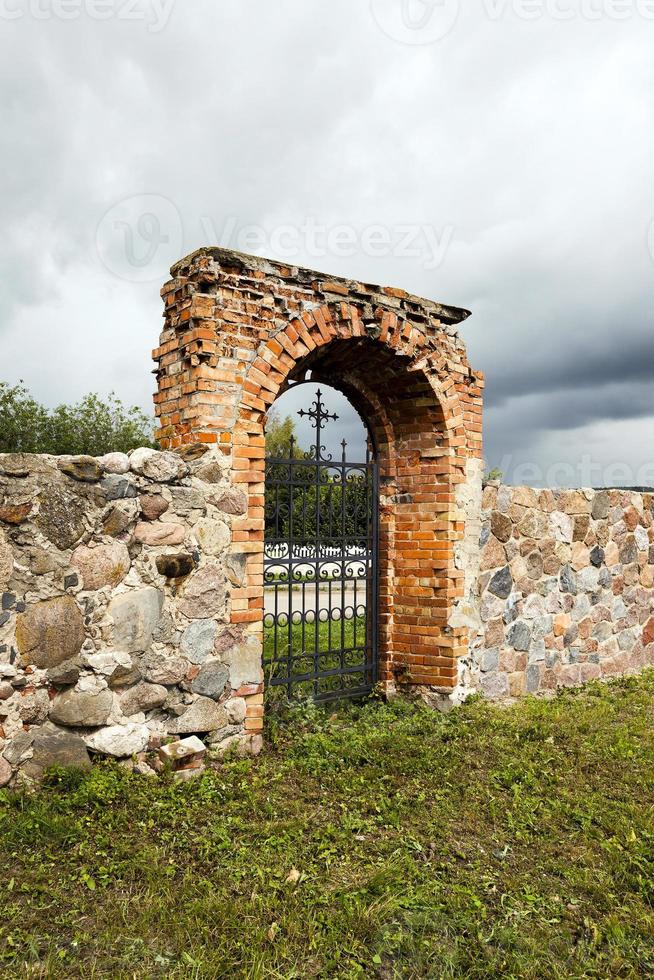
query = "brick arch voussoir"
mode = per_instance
[
  {"x": 280, "y": 354},
  {"x": 341, "y": 320},
  {"x": 434, "y": 367}
]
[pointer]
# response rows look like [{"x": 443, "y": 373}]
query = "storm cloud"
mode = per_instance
[{"x": 491, "y": 155}]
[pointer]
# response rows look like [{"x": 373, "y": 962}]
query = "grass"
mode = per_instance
[
  {"x": 314, "y": 650},
  {"x": 380, "y": 841},
  {"x": 304, "y": 639}
]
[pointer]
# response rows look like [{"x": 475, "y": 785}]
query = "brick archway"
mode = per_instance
[
  {"x": 240, "y": 329},
  {"x": 392, "y": 381}
]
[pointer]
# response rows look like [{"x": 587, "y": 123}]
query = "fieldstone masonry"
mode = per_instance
[
  {"x": 565, "y": 590},
  {"x": 114, "y": 622},
  {"x": 131, "y": 586}
]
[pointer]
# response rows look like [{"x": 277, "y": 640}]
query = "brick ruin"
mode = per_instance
[
  {"x": 131, "y": 585},
  {"x": 239, "y": 329}
]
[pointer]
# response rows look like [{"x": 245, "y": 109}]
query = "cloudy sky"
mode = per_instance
[{"x": 492, "y": 154}]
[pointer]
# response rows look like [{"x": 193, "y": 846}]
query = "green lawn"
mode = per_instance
[
  {"x": 316, "y": 649},
  {"x": 306, "y": 638},
  {"x": 378, "y": 841}
]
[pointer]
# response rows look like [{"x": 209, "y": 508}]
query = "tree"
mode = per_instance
[
  {"x": 92, "y": 426},
  {"x": 280, "y": 444},
  {"x": 279, "y": 433}
]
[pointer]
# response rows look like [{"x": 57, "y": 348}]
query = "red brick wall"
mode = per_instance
[{"x": 239, "y": 329}]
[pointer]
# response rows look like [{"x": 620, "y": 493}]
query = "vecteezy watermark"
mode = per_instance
[
  {"x": 415, "y": 21},
  {"x": 650, "y": 239},
  {"x": 428, "y": 21},
  {"x": 139, "y": 238},
  {"x": 585, "y": 472},
  {"x": 155, "y": 14},
  {"x": 563, "y": 10},
  {"x": 313, "y": 240}
]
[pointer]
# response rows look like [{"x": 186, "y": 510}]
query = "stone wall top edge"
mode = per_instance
[
  {"x": 56, "y": 456},
  {"x": 141, "y": 460},
  {"x": 589, "y": 492},
  {"x": 302, "y": 274}
]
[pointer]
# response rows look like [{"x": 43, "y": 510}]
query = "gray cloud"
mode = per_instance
[{"x": 525, "y": 146}]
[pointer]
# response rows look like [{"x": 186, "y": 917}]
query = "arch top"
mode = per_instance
[
  {"x": 217, "y": 261},
  {"x": 237, "y": 326},
  {"x": 373, "y": 355}
]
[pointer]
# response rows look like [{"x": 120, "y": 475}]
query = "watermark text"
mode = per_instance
[{"x": 155, "y": 14}]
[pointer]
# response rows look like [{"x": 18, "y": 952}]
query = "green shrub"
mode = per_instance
[{"x": 92, "y": 426}]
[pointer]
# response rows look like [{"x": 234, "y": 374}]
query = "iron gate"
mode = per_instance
[{"x": 320, "y": 569}]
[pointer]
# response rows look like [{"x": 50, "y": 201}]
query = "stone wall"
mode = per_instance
[
  {"x": 116, "y": 584},
  {"x": 115, "y": 633},
  {"x": 565, "y": 589}
]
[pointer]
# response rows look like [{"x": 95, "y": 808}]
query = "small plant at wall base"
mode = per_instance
[
  {"x": 92, "y": 426},
  {"x": 494, "y": 476}
]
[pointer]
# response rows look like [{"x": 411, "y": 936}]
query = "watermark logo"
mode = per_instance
[
  {"x": 415, "y": 21},
  {"x": 155, "y": 14},
  {"x": 314, "y": 241},
  {"x": 584, "y": 472},
  {"x": 426, "y": 21},
  {"x": 566, "y": 10},
  {"x": 139, "y": 238},
  {"x": 650, "y": 240}
]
